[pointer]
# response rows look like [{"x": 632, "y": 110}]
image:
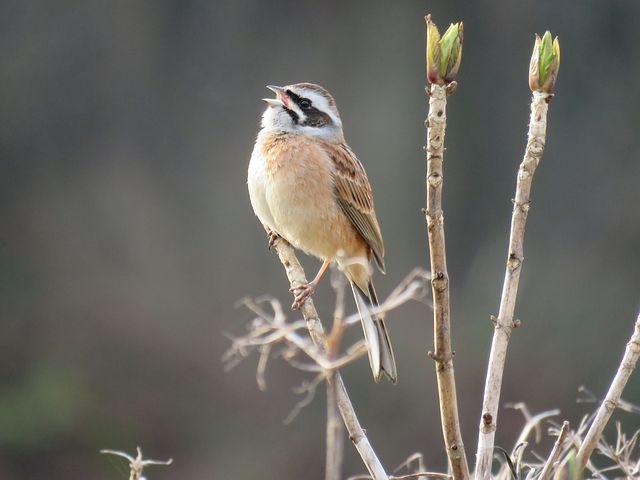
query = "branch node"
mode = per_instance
[
  {"x": 435, "y": 180},
  {"x": 451, "y": 87},
  {"x": 441, "y": 360},
  {"x": 439, "y": 281},
  {"x": 514, "y": 261},
  {"x": 610, "y": 405},
  {"x": 524, "y": 207},
  {"x": 487, "y": 419}
]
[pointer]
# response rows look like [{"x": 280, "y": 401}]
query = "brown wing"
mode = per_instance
[{"x": 354, "y": 195}]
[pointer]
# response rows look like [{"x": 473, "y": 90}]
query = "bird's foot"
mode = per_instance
[
  {"x": 272, "y": 237},
  {"x": 303, "y": 292}
]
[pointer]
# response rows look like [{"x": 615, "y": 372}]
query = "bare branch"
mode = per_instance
[
  {"x": 138, "y": 463},
  {"x": 335, "y": 436},
  {"x": 443, "y": 354},
  {"x": 308, "y": 389},
  {"x": 622, "y": 453},
  {"x": 533, "y": 421},
  {"x": 612, "y": 399},
  {"x": 504, "y": 323},
  {"x": 335, "y": 429},
  {"x": 555, "y": 452},
  {"x": 420, "y": 471},
  {"x": 271, "y": 328},
  {"x": 296, "y": 276},
  {"x": 417, "y": 476}
]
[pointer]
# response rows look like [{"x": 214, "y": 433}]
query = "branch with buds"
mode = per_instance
[
  {"x": 543, "y": 72},
  {"x": 443, "y": 61},
  {"x": 321, "y": 352}
]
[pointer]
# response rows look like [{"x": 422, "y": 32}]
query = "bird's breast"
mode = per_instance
[{"x": 294, "y": 180}]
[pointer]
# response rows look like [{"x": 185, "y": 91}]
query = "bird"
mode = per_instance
[{"x": 308, "y": 187}]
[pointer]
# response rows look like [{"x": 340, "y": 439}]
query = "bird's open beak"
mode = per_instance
[{"x": 282, "y": 99}]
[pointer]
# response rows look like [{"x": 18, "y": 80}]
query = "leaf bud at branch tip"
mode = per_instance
[
  {"x": 545, "y": 63},
  {"x": 444, "y": 53}
]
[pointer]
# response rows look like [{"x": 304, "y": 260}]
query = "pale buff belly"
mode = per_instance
[{"x": 305, "y": 211}]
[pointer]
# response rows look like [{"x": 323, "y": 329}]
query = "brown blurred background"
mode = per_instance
[{"x": 126, "y": 234}]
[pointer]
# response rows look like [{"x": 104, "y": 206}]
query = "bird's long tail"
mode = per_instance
[{"x": 375, "y": 333}]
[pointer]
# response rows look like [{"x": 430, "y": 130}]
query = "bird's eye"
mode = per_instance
[{"x": 304, "y": 103}]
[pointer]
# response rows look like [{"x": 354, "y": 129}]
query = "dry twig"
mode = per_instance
[
  {"x": 270, "y": 328},
  {"x": 612, "y": 399},
  {"x": 138, "y": 463},
  {"x": 555, "y": 452}
]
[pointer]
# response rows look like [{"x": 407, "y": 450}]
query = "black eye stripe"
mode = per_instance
[
  {"x": 303, "y": 103},
  {"x": 313, "y": 116},
  {"x": 293, "y": 115}
]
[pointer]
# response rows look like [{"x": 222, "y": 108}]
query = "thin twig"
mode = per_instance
[
  {"x": 610, "y": 403},
  {"x": 443, "y": 354},
  {"x": 555, "y": 452},
  {"x": 420, "y": 470},
  {"x": 419, "y": 475},
  {"x": 504, "y": 324},
  {"x": 308, "y": 389},
  {"x": 532, "y": 421},
  {"x": 622, "y": 453},
  {"x": 335, "y": 435},
  {"x": 137, "y": 464},
  {"x": 335, "y": 430},
  {"x": 296, "y": 276},
  {"x": 271, "y": 328}
]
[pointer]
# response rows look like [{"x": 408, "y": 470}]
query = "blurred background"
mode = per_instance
[{"x": 127, "y": 237}]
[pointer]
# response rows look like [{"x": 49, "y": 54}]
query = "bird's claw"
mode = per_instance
[
  {"x": 272, "y": 237},
  {"x": 304, "y": 292}
]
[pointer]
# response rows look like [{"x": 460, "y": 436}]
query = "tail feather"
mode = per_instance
[{"x": 379, "y": 348}]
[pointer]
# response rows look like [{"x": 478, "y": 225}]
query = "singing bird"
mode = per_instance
[{"x": 307, "y": 186}]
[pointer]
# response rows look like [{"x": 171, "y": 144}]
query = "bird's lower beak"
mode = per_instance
[{"x": 282, "y": 99}]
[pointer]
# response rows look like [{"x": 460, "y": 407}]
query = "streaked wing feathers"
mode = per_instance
[{"x": 354, "y": 195}]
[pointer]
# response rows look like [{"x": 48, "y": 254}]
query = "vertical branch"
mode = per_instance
[
  {"x": 612, "y": 400},
  {"x": 335, "y": 430},
  {"x": 335, "y": 438},
  {"x": 296, "y": 276},
  {"x": 504, "y": 324},
  {"x": 543, "y": 73},
  {"x": 443, "y": 354},
  {"x": 443, "y": 55}
]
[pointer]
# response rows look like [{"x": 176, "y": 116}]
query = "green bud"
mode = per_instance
[
  {"x": 433, "y": 51},
  {"x": 444, "y": 54},
  {"x": 545, "y": 63},
  {"x": 451, "y": 47}
]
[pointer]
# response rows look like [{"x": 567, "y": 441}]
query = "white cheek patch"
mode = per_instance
[{"x": 277, "y": 117}]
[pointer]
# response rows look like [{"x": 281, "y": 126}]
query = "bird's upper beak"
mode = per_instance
[{"x": 281, "y": 100}]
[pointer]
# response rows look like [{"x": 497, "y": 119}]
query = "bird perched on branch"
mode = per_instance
[{"x": 307, "y": 186}]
